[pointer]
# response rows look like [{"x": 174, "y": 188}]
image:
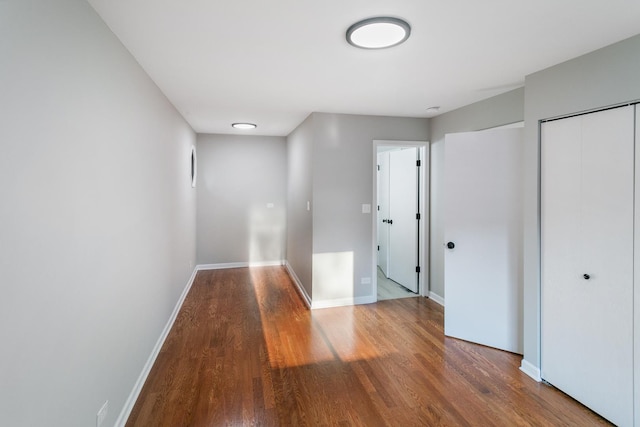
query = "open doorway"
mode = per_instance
[{"x": 400, "y": 220}]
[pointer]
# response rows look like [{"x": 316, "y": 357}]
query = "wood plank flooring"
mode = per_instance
[{"x": 245, "y": 350}]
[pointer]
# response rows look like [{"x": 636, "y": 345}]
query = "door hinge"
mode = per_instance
[
  {"x": 418, "y": 269},
  {"x": 418, "y": 163},
  {"x": 378, "y": 247},
  {"x": 378, "y": 207},
  {"x": 378, "y": 167},
  {"x": 418, "y": 215}
]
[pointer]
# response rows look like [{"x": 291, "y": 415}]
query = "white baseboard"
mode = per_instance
[
  {"x": 341, "y": 302},
  {"x": 137, "y": 388},
  {"x": 531, "y": 370},
  {"x": 298, "y": 283},
  {"x": 221, "y": 266},
  {"x": 436, "y": 298}
]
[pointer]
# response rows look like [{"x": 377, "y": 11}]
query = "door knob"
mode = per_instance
[
  {"x": 385, "y": 220},
  {"x": 586, "y": 276},
  {"x": 451, "y": 245},
  {"x": 390, "y": 221}
]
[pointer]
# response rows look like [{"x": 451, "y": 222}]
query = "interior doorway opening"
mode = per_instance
[{"x": 400, "y": 222}]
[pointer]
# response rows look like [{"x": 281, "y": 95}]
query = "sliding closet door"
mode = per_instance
[{"x": 587, "y": 204}]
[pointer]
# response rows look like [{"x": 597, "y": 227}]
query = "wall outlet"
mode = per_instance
[
  {"x": 366, "y": 208},
  {"x": 270, "y": 205},
  {"x": 102, "y": 414}
]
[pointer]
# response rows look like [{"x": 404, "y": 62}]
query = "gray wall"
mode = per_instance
[
  {"x": 496, "y": 111},
  {"x": 342, "y": 182},
  {"x": 299, "y": 192},
  {"x": 241, "y": 199},
  {"x": 605, "y": 77},
  {"x": 97, "y": 219}
]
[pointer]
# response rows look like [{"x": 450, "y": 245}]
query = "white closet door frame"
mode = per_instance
[{"x": 636, "y": 278}]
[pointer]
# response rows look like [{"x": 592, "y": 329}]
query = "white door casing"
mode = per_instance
[{"x": 483, "y": 219}]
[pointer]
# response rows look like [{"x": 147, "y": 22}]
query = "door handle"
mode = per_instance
[
  {"x": 390, "y": 221},
  {"x": 385, "y": 220},
  {"x": 451, "y": 245},
  {"x": 586, "y": 276}
]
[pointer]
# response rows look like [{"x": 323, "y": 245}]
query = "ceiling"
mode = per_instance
[{"x": 275, "y": 62}]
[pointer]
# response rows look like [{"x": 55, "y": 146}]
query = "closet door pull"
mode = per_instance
[{"x": 586, "y": 276}]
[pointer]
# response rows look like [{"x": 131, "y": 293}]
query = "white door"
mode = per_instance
[
  {"x": 383, "y": 212},
  {"x": 483, "y": 217},
  {"x": 587, "y": 197},
  {"x": 402, "y": 220}
]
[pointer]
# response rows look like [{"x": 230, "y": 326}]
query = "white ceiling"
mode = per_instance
[{"x": 275, "y": 62}]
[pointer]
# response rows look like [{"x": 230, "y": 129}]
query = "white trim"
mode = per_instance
[
  {"x": 298, "y": 283},
  {"x": 341, "y": 302},
  {"x": 436, "y": 298},
  {"x": 222, "y": 266},
  {"x": 530, "y": 370},
  {"x": 137, "y": 388},
  {"x": 508, "y": 126}
]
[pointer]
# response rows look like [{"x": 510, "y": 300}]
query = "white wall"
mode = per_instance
[
  {"x": 498, "y": 110},
  {"x": 299, "y": 192},
  {"x": 97, "y": 218},
  {"x": 602, "y": 78},
  {"x": 241, "y": 199},
  {"x": 343, "y": 181}
]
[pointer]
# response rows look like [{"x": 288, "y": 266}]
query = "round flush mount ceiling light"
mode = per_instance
[
  {"x": 244, "y": 125},
  {"x": 378, "y": 33}
]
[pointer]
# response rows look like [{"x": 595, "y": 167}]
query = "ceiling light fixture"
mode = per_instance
[
  {"x": 378, "y": 33},
  {"x": 244, "y": 125},
  {"x": 433, "y": 109}
]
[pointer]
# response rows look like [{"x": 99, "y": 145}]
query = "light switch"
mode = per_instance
[
  {"x": 366, "y": 208},
  {"x": 269, "y": 205}
]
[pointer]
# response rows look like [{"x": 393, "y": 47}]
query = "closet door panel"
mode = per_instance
[{"x": 587, "y": 259}]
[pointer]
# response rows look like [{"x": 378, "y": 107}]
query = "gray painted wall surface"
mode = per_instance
[
  {"x": 342, "y": 182},
  {"x": 602, "y": 78},
  {"x": 496, "y": 111},
  {"x": 241, "y": 190},
  {"x": 299, "y": 192},
  {"x": 97, "y": 220}
]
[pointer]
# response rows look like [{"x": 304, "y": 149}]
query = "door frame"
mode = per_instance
[{"x": 423, "y": 204}]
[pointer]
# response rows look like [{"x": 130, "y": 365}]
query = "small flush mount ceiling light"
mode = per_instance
[
  {"x": 378, "y": 33},
  {"x": 433, "y": 110},
  {"x": 244, "y": 125}
]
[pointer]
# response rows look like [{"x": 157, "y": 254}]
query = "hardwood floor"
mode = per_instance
[{"x": 245, "y": 350}]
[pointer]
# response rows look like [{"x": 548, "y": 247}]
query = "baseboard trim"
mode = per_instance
[
  {"x": 222, "y": 266},
  {"x": 341, "y": 302},
  {"x": 530, "y": 370},
  {"x": 298, "y": 283},
  {"x": 137, "y": 388},
  {"x": 436, "y": 298}
]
